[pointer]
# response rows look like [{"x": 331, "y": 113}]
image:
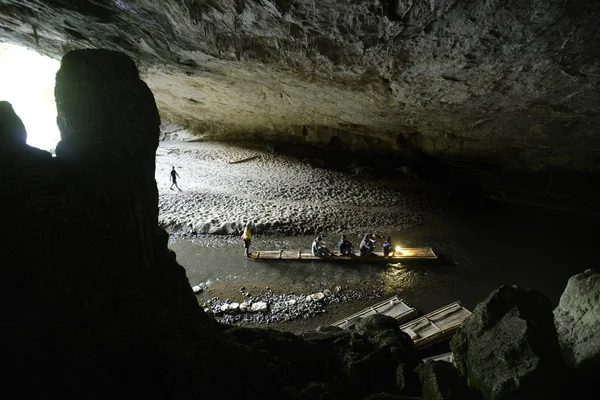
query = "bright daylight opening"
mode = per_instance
[{"x": 27, "y": 82}]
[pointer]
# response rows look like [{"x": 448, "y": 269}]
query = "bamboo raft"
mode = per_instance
[
  {"x": 406, "y": 254},
  {"x": 393, "y": 307},
  {"x": 436, "y": 326},
  {"x": 425, "y": 331}
]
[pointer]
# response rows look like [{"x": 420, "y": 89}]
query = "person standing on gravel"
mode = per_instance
[
  {"x": 246, "y": 237},
  {"x": 174, "y": 176}
]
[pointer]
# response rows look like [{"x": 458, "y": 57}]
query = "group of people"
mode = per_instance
[
  {"x": 318, "y": 248},
  {"x": 346, "y": 248}
]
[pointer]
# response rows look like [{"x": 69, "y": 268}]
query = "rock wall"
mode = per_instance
[{"x": 511, "y": 83}]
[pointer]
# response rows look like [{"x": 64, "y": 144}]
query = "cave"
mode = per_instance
[{"x": 487, "y": 109}]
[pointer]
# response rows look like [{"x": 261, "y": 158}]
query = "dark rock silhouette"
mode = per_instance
[{"x": 13, "y": 135}]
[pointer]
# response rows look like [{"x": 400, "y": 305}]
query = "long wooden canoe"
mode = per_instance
[
  {"x": 436, "y": 326},
  {"x": 392, "y": 307},
  {"x": 407, "y": 254}
]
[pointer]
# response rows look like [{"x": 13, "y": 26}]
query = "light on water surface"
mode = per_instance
[{"x": 27, "y": 82}]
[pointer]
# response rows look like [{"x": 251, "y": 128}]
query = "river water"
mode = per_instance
[{"x": 480, "y": 250}]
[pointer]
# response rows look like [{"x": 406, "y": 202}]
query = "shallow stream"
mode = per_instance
[{"x": 480, "y": 250}]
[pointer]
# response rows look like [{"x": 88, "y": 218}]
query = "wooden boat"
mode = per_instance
[
  {"x": 448, "y": 357},
  {"x": 393, "y": 307},
  {"x": 436, "y": 326},
  {"x": 406, "y": 254}
]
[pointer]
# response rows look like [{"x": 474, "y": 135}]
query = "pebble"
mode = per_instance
[{"x": 282, "y": 307}]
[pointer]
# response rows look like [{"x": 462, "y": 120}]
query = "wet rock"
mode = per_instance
[
  {"x": 508, "y": 348},
  {"x": 372, "y": 373},
  {"x": 440, "y": 380},
  {"x": 374, "y": 323},
  {"x": 382, "y": 332},
  {"x": 245, "y": 305},
  {"x": 260, "y": 306},
  {"x": 315, "y": 297},
  {"x": 407, "y": 380},
  {"x": 196, "y": 289},
  {"x": 577, "y": 320}
]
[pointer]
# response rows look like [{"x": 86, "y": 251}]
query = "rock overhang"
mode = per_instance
[{"x": 508, "y": 83}]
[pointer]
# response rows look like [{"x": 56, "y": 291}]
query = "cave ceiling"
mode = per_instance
[{"x": 510, "y": 82}]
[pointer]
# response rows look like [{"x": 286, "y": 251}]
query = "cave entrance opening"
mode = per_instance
[{"x": 27, "y": 82}]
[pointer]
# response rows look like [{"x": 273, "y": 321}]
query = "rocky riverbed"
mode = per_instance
[{"x": 270, "y": 307}]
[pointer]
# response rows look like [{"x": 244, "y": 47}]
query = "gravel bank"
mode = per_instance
[{"x": 281, "y": 194}]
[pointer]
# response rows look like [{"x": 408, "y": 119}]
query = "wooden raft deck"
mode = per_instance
[
  {"x": 425, "y": 331},
  {"x": 407, "y": 254},
  {"x": 436, "y": 326},
  {"x": 393, "y": 307}
]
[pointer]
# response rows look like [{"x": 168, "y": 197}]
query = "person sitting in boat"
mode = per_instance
[
  {"x": 388, "y": 247},
  {"x": 367, "y": 245},
  {"x": 318, "y": 247},
  {"x": 345, "y": 247}
]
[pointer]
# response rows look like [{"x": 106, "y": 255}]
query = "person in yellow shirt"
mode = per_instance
[{"x": 246, "y": 237}]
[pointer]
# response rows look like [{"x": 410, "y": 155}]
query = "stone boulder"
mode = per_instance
[
  {"x": 13, "y": 142},
  {"x": 577, "y": 320},
  {"x": 441, "y": 380},
  {"x": 508, "y": 348},
  {"x": 383, "y": 332}
]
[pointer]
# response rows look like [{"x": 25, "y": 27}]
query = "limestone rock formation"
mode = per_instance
[
  {"x": 508, "y": 348},
  {"x": 510, "y": 82},
  {"x": 577, "y": 320}
]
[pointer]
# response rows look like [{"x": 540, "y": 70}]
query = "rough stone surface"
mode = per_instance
[
  {"x": 442, "y": 381},
  {"x": 577, "y": 320},
  {"x": 508, "y": 348},
  {"x": 510, "y": 82}
]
